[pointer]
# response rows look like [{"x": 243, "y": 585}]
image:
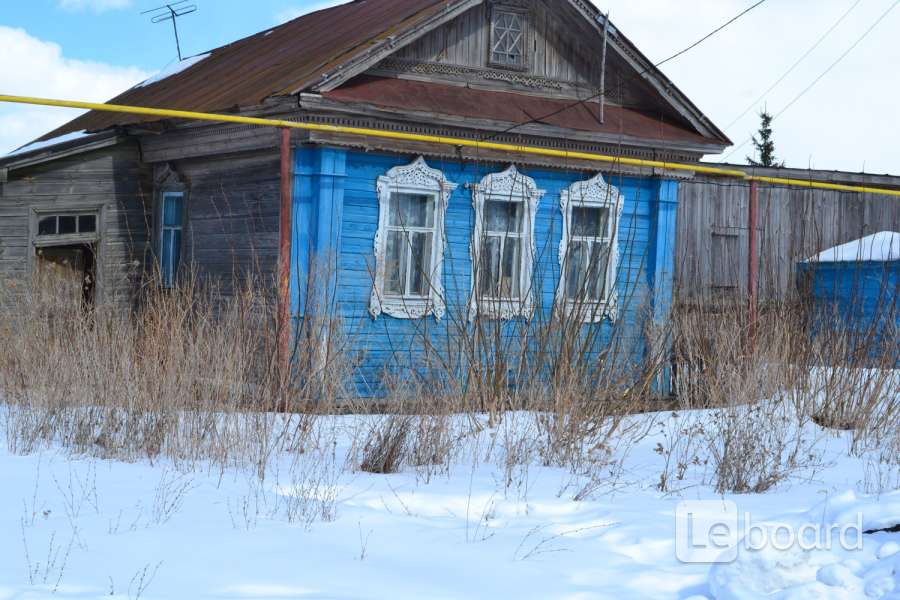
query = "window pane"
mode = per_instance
[
  {"x": 507, "y": 39},
  {"x": 590, "y": 222},
  {"x": 67, "y": 224},
  {"x": 172, "y": 209},
  {"x": 87, "y": 224},
  {"x": 47, "y": 226},
  {"x": 176, "y": 253},
  {"x": 489, "y": 275},
  {"x": 394, "y": 274},
  {"x": 412, "y": 210},
  {"x": 598, "y": 274},
  {"x": 502, "y": 217},
  {"x": 576, "y": 270},
  {"x": 509, "y": 283},
  {"x": 165, "y": 257},
  {"x": 420, "y": 263},
  {"x": 170, "y": 255}
]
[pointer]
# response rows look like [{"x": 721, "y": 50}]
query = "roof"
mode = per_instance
[
  {"x": 407, "y": 95},
  {"x": 278, "y": 61},
  {"x": 878, "y": 247},
  {"x": 326, "y": 50}
]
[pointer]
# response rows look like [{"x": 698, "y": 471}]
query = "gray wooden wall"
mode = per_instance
[
  {"x": 112, "y": 179},
  {"x": 711, "y": 261},
  {"x": 232, "y": 220}
]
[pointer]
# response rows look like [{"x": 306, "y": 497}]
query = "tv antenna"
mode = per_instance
[{"x": 171, "y": 12}]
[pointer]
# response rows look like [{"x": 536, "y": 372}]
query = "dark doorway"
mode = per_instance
[{"x": 69, "y": 271}]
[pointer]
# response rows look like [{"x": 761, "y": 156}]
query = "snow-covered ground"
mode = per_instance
[{"x": 78, "y": 527}]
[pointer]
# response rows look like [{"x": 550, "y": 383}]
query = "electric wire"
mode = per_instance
[
  {"x": 830, "y": 68},
  {"x": 639, "y": 75},
  {"x": 793, "y": 67}
]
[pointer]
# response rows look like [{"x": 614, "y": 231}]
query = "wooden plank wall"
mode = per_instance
[
  {"x": 387, "y": 341},
  {"x": 554, "y": 53},
  {"x": 231, "y": 226},
  {"x": 711, "y": 259},
  {"x": 113, "y": 179}
]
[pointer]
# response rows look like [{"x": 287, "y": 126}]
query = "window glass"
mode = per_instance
[
  {"x": 172, "y": 210},
  {"x": 170, "y": 236},
  {"x": 502, "y": 217},
  {"x": 409, "y": 251},
  {"x": 47, "y": 226},
  {"x": 67, "y": 224},
  {"x": 508, "y": 38},
  {"x": 87, "y": 224},
  {"x": 590, "y": 221},
  {"x": 420, "y": 261},
  {"x": 412, "y": 210}
]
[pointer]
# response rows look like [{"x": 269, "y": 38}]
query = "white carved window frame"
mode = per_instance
[
  {"x": 593, "y": 193},
  {"x": 507, "y": 186},
  {"x": 415, "y": 178}
]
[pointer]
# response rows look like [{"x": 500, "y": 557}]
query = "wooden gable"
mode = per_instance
[{"x": 563, "y": 59}]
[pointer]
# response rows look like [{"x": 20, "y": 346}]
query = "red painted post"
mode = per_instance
[
  {"x": 284, "y": 254},
  {"x": 753, "y": 266}
]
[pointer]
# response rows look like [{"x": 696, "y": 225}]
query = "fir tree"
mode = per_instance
[{"x": 765, "y": 146}]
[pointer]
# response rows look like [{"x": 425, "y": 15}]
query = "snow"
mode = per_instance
[
  {"x": 174, "y": 69},
  {"x": 882, "y": 246},
  {"x": 69, "y": 137},
  {"x": 77, "y": 527}
]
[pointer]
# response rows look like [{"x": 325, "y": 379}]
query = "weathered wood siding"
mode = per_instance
[
  {"x": 712, "y": 248},
  {"x": 231, "y": 226},
  {"x": 112, "y": 179},
  {"x": 553, "y": 52},
  {"x": 386, "y": 342}
]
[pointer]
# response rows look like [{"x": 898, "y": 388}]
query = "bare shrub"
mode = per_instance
[
  {"x": 758, "y": 386},
  {"x": 386, "y": 446}
]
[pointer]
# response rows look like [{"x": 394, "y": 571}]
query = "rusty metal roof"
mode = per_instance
[
  {"x": 278, "y": 61},
  {"x": 406, "y": 95}
]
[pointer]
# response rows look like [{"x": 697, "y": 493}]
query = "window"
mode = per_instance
[
  {"x": 409, "y": 243},
  {"x": 503, "y": 245},
  {"x": 58, "y": 225},
  {"x": 508, "y": 38},
  {"x": 588, "y": 253},
  {"x": 172, "y": 213}
]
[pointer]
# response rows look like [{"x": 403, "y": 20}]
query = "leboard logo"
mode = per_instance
[{"x": 713, "y": 531}]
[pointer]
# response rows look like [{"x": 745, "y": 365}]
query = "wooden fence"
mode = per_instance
[{"x": 712, "y": 256}]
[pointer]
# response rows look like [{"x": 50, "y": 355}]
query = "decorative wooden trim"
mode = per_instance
[
  {"x": 416, "y": 177},
  {"x": 403, "y": 65},
  {"x": 595, "y": 192},
  {"x": 510, "y": 184}
]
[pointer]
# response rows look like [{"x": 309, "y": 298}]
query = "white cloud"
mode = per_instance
[
  {"x": 42, "y": 70},
  {"x": 94, "y": 5},
  {"x": 847, "y": 120},
  {"x": 289, "y": 14}
]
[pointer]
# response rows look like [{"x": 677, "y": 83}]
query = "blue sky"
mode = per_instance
[
  {"x": 94, "y": 49},
  {"x": 114, "y": 31}
]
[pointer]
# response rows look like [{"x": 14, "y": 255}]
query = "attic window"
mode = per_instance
[{"x": 508, "y": 38}]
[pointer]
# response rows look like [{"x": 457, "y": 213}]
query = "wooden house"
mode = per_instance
[{"x": 401, "y": 235}]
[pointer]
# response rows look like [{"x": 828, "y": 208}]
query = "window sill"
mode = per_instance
[
  {"x": 592, "y": 312},
  {"x": 407, "y": 308},
  {"x": 504, "y": 310}
]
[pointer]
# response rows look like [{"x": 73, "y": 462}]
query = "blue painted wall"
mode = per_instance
[
  {"x": 336, "y": 210},
  {"x": 858, "y": 298}
]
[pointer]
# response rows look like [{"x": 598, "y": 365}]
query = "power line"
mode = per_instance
[
  {"x": 709, "y": 35},
  {"x": 824, "y": 73},
  {"x": 641, "y": 74},
  {"x": 812, "y": 49}
]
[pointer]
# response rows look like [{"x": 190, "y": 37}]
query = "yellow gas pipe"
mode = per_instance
[{"x": 449, "y": 141}]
